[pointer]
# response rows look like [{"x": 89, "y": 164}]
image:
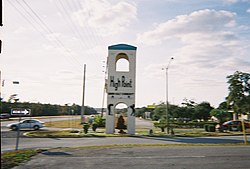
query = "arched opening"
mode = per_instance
[
  {"x": 122, "y": 63},
  {"x": 121, "y": 118}
]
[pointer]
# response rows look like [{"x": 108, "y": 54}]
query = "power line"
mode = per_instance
[
  {"x": 32, "y": 23},
  {"x": 72, "y": 24},
  {"x": 50, "y": 31},
  {"x": 45, "y": 28},
  {"x": 90, "y": 32},
  {"x": 26, "y": 18}
]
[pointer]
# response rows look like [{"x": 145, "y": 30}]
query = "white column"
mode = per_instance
[
  {"x": 110, "y": 122},
  {"x": 131, "y": 122}
]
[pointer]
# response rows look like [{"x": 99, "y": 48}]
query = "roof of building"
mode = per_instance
[{"x": 122, "y": 47}]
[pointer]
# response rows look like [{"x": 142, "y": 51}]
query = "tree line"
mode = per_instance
[
  {"x": 39, "y": 109},
  {"x": 237, "y": 101},
  {"x": 188, "y": 111}
]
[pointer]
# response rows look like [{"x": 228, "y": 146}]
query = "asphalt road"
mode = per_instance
[
  {"x": 8, "y": 143},
  {"x": 164, "y": 157}
]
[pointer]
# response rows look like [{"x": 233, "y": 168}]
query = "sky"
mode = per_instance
[{"x": 47, "y": 42}]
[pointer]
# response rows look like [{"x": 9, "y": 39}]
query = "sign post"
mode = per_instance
[{"x": 19, "y": 112}]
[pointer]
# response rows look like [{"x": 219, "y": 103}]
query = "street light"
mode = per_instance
[{"x": 167, "y": 117}]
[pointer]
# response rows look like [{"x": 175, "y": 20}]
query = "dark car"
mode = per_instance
[
  {"x": 5, "y": 116},
  {"x": 235, "y": 125}
]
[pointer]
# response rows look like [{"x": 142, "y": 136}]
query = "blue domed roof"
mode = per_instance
[{"x": 122, "y": 47}]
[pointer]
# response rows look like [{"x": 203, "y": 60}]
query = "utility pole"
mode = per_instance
[
  {"x": 0, "y": 92},
  {"x": 1, "y": 23},
  {"x": 83, "y": 94},
  {"x": 1, "y": 14},
  {"x": 104, "y": 88},
  {"x": 0, "y": 83}
]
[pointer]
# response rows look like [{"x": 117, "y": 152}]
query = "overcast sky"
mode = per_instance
[{"x": 47, "y": 42}]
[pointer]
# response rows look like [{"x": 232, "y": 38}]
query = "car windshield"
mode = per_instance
[
  {"x": 22, "y": 121},
  {"x": 228, "y": 122}
]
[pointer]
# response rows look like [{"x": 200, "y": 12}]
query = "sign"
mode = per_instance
[
  {"x": 15, "y": 82},
  {"x": 120, "y": 82},
  {"x": 151, "y": 106},
  {"x": 21, "y": 112}
]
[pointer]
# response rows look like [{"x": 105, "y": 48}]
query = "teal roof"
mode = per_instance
[{"x": 122, "y": 47}]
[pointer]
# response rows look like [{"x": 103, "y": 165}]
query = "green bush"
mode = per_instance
[
  {"x": 206, "y": 127},
  {"x": 192, "y": 124},
  {"x": 239, "y": 128},
  {"x": 162, "y": 124},
  {"x": 211, "y": 128},
  {"x": 100, "y": 121},
  {"x": 94, "y": 126},
  {"x": 86, "y": 128}
]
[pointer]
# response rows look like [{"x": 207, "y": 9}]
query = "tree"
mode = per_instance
[
  {"x": 159, "y": 112},
  {"x": 181, "y": 113},
  {"x": 202, "y": 111},
  {"x": 239, "y": 92},
  {"x": 223, "y": 106},
  {"x": 162, "y": 124},
  {"x": 221, "y": 115},
  {"x": 140, "y": 112},
  {"x": 121, "y": 124},
  {"x": 188, "y": 102}
]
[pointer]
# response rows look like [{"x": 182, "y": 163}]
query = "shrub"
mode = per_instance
[
  {"x": 211, "y": 128},
  {"x": 206, "y": 127},
  {"x": 150, "y": 132},
  {"x": 99, "y": 121},
  {"x": 162, "y": 124},
  {"x": 121, "y": 124},
  {"x": 239, "y": 128},
  {"x": 85, "y": 128},
  {"x": 192, "y": 124},
  {"x": 94, "y": 126}
]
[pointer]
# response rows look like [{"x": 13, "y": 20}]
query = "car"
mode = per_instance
[
  {"x": 235, "y": 125},
  {"x": 4, "y": 116},
  {"x": 26, "y": 124}
]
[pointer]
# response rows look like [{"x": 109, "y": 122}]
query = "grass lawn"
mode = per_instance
[
  {"x": 13, "y": 158},
  {"x": 73, "y": 128},
  {"x": 70, "y": 123}
]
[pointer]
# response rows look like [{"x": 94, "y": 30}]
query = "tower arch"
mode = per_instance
[{"x": 122, "y": 63}]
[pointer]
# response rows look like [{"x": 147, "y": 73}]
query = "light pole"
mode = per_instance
[
  {"x": 83, "y": 96},
  {"x": 167, "y": 116}
]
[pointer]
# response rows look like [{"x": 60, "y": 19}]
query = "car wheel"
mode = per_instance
[
  {"x": 14, "y": 128},
  {"x": 36, "y": 127}
]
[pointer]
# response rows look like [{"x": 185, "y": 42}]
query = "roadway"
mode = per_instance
[
  {"x": 8, "y": 143},
  {"x": 146, "y": 157}
]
